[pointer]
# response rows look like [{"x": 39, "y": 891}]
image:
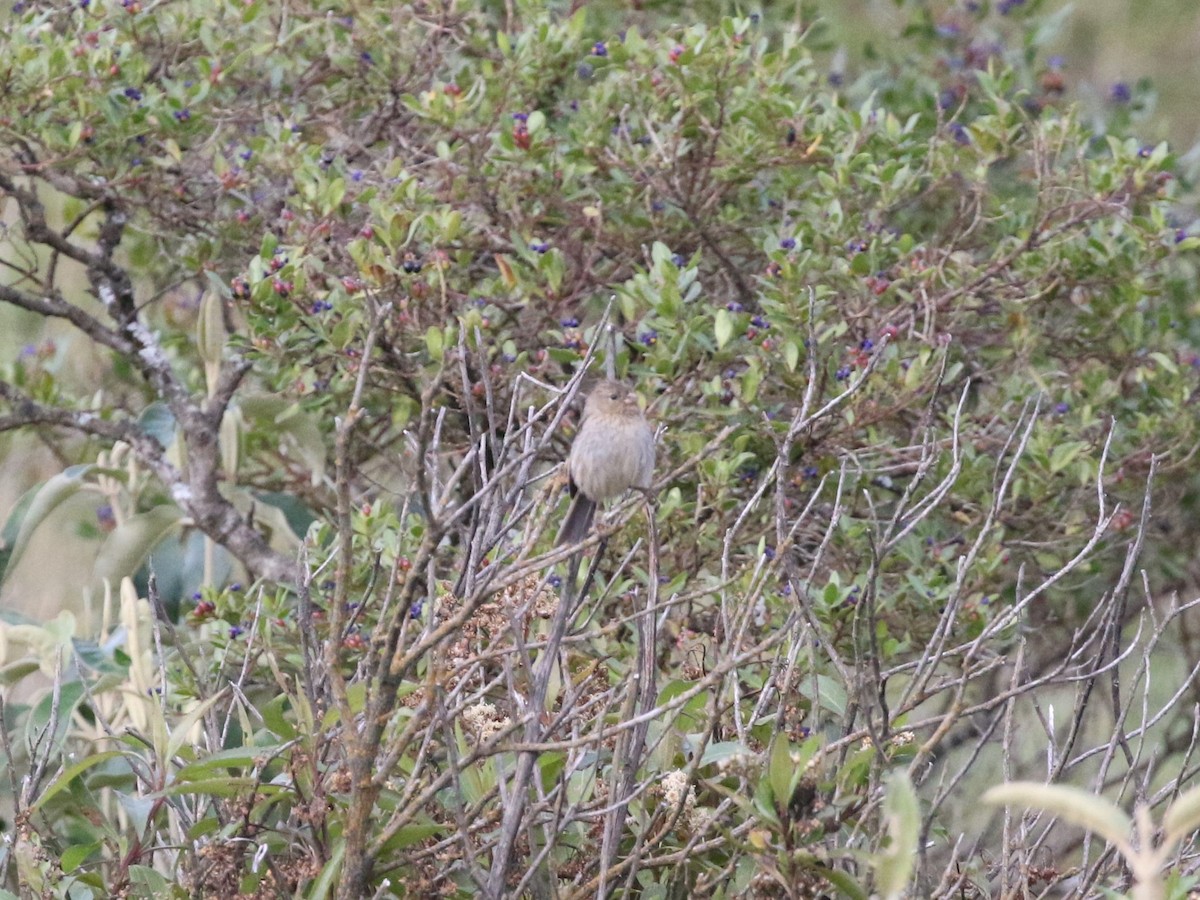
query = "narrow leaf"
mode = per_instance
[{"x": 1070, "y": 803}]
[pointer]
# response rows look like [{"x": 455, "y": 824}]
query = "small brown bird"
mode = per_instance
[{"x": 613, "y": 451}]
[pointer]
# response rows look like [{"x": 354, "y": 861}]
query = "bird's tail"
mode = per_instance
[{"x": 578, "y": 521}]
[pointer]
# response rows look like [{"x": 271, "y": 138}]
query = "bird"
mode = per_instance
[{"x": 612, "y": 452}]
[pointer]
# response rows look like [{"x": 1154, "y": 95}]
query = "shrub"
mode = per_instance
[{"x": 918, "y": 347}]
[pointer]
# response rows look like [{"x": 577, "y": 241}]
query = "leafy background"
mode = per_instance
[{"x": 916, "y": 321}]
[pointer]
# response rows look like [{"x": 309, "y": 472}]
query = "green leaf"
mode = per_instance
[
  {"x": 719, "y": 751},
  {"x": 158, "y": 421},
  {"x": 902, "y": 823},
  {"x": 231, "y": 430},
  {"x": 791, "y": 355},
  {"x": 1064, "y": 454},
  {"x": 324, "y": 884},
  {"x": 781, "y": 771},
  {"x": 275, "y": 716},
  {"x": 222, "y": 761},
  {"x": 723, "y": 327},
  {"x": 1183, "y": 816},
  {"x": 14, "y": 672},
  {"x": 224, "y": 786},
  {"x": 33, "y": 508},
  {"x": 844, "y": 882},
  {"x": 830, "y": 693},
  {"x": 435, "y": 343},
  {"x": 1070, "y": 803},
  {"x": 210, "y": 334},
  {"x": 130, "y": 543},
  {"x": 153, "y": 884},
  {"x": 77, "y": 854},
  {"x": 408, "y": 835},
  {"x": 70, "y": 774},
  {"x": 182, "y": 728}
]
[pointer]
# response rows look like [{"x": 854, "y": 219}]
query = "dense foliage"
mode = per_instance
[{"x": 918, "y": 343}]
